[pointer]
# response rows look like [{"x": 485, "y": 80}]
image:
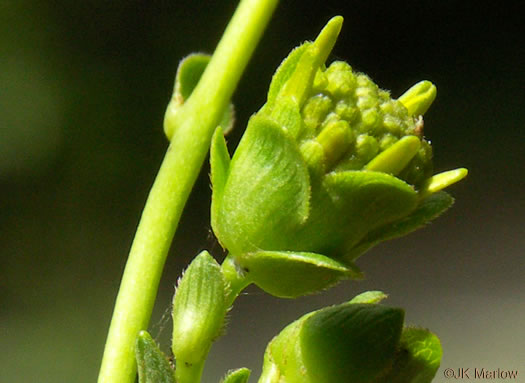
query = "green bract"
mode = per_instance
[
  {"x": 240, "y": 375},
  {"x": 330, "y": 166},
  {"x": 360, "y": 342},
  {"x": 188, "y": 75},
  {"x": 152, "y": 365}
]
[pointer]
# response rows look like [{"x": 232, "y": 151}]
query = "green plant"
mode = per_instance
[{"x": 330, "y": 166}]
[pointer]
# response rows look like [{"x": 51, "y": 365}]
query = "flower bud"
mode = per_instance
[
  {"x": 331, "y": 165},
  {"x": 199, "y": 308},
  {"x": 351, "y": 342},
  {"x": 360, "y": 342}
]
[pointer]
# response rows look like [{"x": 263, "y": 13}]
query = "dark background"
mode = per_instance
[{"x": 83, "y": 89}]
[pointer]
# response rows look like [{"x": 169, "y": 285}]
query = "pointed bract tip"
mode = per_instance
[
  {"x": 442, "y": 180},
  {"x": 418, "y": 98},
  {"x": 324, "y": 43},
  {"x": 370, "y": 297},
  {"x": 394, "y": 159}
]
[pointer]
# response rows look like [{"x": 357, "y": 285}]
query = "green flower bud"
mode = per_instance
[
  {"x": 360, "y": 342},
  {"x": 335, "y": 138},
  {"x": 199, "y": 308},
  {"x": 351, "y": 342},
  {"x": 330, "y": 166}
]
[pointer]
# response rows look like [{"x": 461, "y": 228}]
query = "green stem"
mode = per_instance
[
  {"x": 195, "y": 125},
  {"x": 189, "y": 373},
  {"x": 236, "y": 281}
]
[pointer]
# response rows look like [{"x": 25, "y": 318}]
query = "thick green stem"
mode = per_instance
[{"x": 186, "y": 153}]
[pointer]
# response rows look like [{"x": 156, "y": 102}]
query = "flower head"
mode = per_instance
[{"x": 330, "y": 166}]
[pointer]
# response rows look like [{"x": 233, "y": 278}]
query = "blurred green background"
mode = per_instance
[{"x": 83, "y": 88}]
